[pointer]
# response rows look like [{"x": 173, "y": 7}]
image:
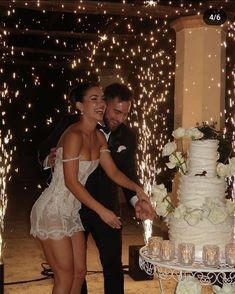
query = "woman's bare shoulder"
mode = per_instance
[
  {"x": 72, "y": 134},
  {"x": 100, "y": 136}
]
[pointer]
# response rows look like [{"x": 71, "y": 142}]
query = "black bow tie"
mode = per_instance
[{"x": 103, "y": 128}]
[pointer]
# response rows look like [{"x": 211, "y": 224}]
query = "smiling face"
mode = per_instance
[
  {"x": 116, "y": 113},
  {"x": 93, "y": 105}
]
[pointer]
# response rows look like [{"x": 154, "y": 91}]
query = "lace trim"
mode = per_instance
[
  {"x": 104, "y": 150},
  {"x": 70, "y": 159}
]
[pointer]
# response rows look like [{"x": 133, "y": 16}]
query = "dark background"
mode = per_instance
[{"x": 36, "y": 71}]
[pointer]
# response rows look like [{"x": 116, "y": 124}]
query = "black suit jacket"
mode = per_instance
[{"x": 122, "y": 144}]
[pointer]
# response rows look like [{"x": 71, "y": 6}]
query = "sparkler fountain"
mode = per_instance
[
  {"x": 6, "y": 153},
  {"x": 5, "y": 159}
]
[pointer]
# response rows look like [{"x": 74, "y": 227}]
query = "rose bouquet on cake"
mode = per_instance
[
  {"x": 202, "y": 209},
  {"x": 178, "y": 160}
]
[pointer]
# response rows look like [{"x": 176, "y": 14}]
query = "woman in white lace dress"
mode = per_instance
[{"x": 55, "y": 220}]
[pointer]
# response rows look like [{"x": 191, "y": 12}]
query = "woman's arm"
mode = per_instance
[{"x": 72, "y": 144}]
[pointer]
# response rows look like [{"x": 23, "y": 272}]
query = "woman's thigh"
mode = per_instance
[{"x": 59, "y": 253}]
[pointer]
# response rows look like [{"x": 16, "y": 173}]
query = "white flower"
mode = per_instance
[
  {"x": 189, "y": 285},
  {"x": 178, "y": 133},
  {"x": 193, "y": 217},
  {"x": 230, "y": 206},
  {"x": 232, "y": 166},
  {"x": 158, "y": 192},
  {"x": 194, "y": 133},
  {"x": 169, "y": 148},
  {"x": 217, "y": 213},
  {"x": 180, "y": 211},
  {"x": 183, "y": 168},
  {"x": 177, "y": 160},
  {"x": 222, "y": 170},
  {"x": 226, "y": 289},
  {"x": 170, "y": 165},
  {"x": 161, "y": 202},
  {"x": 163, "y": 208}
]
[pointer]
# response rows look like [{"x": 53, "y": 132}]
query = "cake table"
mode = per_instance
[{"x": 168, "y": 270}]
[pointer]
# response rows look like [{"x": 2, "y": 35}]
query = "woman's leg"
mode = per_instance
[
  {"x": 79, "y": 255},
  {"x": 59, "y": 254}
]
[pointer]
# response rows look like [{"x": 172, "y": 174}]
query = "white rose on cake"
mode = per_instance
[
  {"x": 169, "y": 148},
  {"x": 175, "y": 159},
  {"x": 162, "y": 208},
  {"x": 217, "y": 213},
  {"x": 158, "y": 193},
  {"x": 222, "y": 170},
  {"x": 180, "y": 211},
  {"x": 193, "y": 217},
  {"x": 189, "y": 285},
  {"x": 161, "y": 202},
  {"x": 232, "y": 166},
  {"x": 194, "y": 133},
  {"x": 230, "y": 206},
  {"x": 178, "y": 133}
]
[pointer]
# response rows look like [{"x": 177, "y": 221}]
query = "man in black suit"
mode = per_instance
[{"x": 122, "y": 144}]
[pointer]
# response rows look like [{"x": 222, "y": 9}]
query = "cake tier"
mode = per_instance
[
  {"x": 201, "y": 234},
  {"x": 193, "y": 191},
  {"x": 203, "y": 157}
]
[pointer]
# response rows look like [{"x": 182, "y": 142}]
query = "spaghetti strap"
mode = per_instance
[
  {"x": 104, "y": 150},
  {"x": 70, "y": 159}
]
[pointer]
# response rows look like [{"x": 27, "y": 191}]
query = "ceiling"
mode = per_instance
[{"x": 57, "y": 33}]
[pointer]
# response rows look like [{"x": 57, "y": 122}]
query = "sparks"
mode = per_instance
[{"x": 151, "y": 3}]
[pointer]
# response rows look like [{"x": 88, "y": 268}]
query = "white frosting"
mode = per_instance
[
  {"x": 203, "y": 157},
  {"x": 201, "y": 234},
  {"x": 193, "y": 192}
]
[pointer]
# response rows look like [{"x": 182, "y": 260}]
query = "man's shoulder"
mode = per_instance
[
  {"x": 127, "y": 130},
  {"x": 128, "y": 134}
]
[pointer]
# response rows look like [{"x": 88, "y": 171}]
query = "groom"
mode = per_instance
[{"x": 122, "y": 144}]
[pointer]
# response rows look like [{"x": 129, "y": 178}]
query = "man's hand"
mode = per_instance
[
  {"x": 51, "y": 158},
  {"x": 144, "y": 210}
]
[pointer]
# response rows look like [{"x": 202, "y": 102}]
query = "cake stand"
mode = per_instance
[{"x": 173, "y": 269}]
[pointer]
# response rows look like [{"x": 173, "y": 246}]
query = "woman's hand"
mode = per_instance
[{"x": 110, "y": 218}]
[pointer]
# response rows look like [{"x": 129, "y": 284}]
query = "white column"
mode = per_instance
[{"x": 200, "y": 72}]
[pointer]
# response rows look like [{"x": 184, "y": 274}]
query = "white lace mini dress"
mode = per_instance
[{"x": 55, "y": 214}]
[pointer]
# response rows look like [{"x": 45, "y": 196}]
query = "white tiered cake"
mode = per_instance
[{"x": 201, "y": 216}]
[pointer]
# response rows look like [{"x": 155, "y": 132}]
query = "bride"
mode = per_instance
[{"x": 55, "y": 219}]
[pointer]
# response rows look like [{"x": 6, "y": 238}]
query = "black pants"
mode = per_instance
[{"x": 109, "y": 244}]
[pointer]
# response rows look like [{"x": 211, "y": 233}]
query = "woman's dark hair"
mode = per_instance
[{"x": 79, "y": 91}]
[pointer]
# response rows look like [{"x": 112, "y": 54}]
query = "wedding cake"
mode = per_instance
[{"x": 202, "y": 216}]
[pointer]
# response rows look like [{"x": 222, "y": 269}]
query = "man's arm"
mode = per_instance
[
  {"x": 128, "y": 167},
  {"x": 143, "y": 209},
  {"x": 52, "y": 140}
]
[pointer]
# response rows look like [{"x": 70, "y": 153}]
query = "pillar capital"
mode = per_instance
[{"x": 193, "y": 21}]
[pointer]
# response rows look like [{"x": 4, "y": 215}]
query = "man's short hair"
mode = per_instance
[{"x": 117, "y": 90}]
